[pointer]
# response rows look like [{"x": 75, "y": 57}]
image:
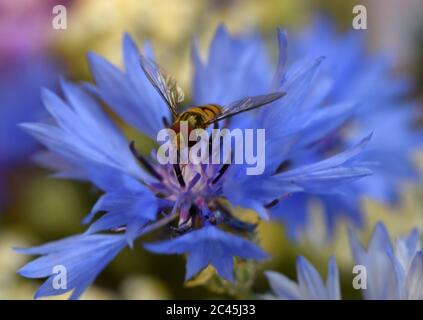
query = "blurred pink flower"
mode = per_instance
[{"x": 25, "y": 27}]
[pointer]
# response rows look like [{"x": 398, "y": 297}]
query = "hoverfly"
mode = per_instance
[{"x": 197, "y": 117}]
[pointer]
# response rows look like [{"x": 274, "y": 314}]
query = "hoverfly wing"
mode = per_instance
[
  {"x": 247, "y": 104},
  {"x": 164, "y": 83}
]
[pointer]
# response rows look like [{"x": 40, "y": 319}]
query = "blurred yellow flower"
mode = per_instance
[{"x": 143, "y": 287}]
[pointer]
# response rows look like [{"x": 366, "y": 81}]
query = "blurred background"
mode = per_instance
[{"x": 36, "y": 208}]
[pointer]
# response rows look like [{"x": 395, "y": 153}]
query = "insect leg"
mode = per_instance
[
  {"x": 144, "y": 161},
  {"x": 222, "y": 170},
  {"x": 234, "y": 222},
  {"x": 165, "y": 122},
  {"x": 215, "y": 127},
  {"x": 178, "y": 172}
]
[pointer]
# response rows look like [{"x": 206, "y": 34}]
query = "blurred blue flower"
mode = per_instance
[
  {"x": 84, "y": 144},
  {"x": 24, "y": 68},
  {"x": 394, "y": 271},
  {"x": 391, "y": 271},
  {"x": 310, "y": 285},
  {"x": 20, "y": 101},
  {"x": 381, "y": 106}
]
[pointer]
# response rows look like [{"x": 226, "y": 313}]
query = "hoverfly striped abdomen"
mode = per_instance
[
  {"x": 196, "y": 118},
  {"x": 199, "y": 117}
]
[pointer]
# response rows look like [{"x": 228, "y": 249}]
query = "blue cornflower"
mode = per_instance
[
  {"x": 310, "y": 285},
  {"x": 394, "y": 270},
  {"x": 391, "y": 271},
  {"x": 351, "y": 74},
  {"x": 22, "y": 75},
  {"x": 144, "y": 195}
]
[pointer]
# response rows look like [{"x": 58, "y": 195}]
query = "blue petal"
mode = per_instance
[
  {"x": 380, "y": 240},
  {"x": 129, "y": 94},
  {"x": 325, "y": 174},
  {"x": 332, "y": 282},
  {"x": 382, "y": 270},
  {"x": 310, "y": 282},
  {"x": 209, "y": 245},
  {"x": 125, "y": 207},
  {"x": 83, "y": 135},
  {"x": 407, "y": 247},
  {"x": 292, "y": 212},
  {"x": 282, "y": 57},
  {"x": 82, "y": 256},
  {"x": 415, "y": 278},
  {"x": 357, "y": 249},
  {"x": 237, "y": 67},
  {"x": 283, "y": 287}
]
